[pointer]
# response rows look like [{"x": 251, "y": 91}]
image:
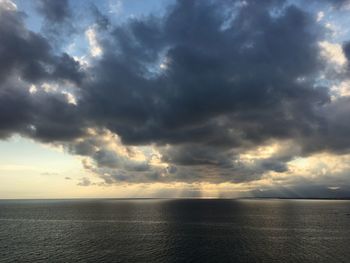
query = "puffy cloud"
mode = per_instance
[
  {"x": 29, "y": 61},
  {"x": 208, "y": 92},
  {"x": 333, "y": 52}
]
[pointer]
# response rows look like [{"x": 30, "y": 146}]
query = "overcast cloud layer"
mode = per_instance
[{"x": 209, "y": 91}]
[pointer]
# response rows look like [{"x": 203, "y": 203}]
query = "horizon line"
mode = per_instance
[{"x": 178, "y": 198}]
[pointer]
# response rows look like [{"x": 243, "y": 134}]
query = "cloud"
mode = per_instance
[
  {"x": 29, "y": 56},
  {"x": 49, "y": 173},
  {"x": 208, "y": 85},
  {"x": 338, "y": 4},
  {"x": 95, "y": 48},
  {"x": 8, "y": 5},
  {"x": 54, "y": 11},
  {"x": 58, "y": 23},
  {"x": 101, "y": 20},
  {"x": 208, "y": 92},
  {"x": 115, "y": 6},
  {"x": 84, "y": 181},
  {"x": 29, "y": 61},
  {"x": 333, "y": 52},
  {"x": 320, "y": 16},
  {"x": 346, "y": 49}
]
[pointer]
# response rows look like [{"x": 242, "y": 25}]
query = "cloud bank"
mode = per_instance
[{"x": 208, "y": 92}]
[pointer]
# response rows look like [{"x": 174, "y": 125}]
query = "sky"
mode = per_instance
[{"x": 174, "y": 98}]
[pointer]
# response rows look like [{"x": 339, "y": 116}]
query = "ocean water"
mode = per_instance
[{"x": 174, "y": 231}]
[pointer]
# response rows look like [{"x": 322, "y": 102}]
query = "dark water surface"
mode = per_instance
[{"x": 174, "y": 231}]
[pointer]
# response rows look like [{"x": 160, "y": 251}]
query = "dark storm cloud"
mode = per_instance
[
  {"x": 227, "y": 81},
  {"x": 26, "y": 59},
  {"x": 29, "y": 55},
  {"x": 230, "y": 80},
  {"x": 21, "y": 49},
  {"x": 227, "y": 163},
  {"x": 332, "y": 133},
  {"x": 204, "y": 83},
  {"x": 53, "y": 10},
  {"x": 58, "y": 22},
  {"x": 346, "y": 49}
]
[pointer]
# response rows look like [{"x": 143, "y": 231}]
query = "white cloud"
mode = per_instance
[
  {"x": 33, "y": 89},
  {"x": 341, "y": 90},
  {"x": 95, "y": 48},
  {"x": 83, "y": 61},
  {"x": 333, "y": 52},
  {"x": 320, "y": 16},
  {"x": 115, "y": 6},
  {"x": 70, "y": 97},
  {"x": 8, "y": 5},
  {"x": 49, "y": 88}
]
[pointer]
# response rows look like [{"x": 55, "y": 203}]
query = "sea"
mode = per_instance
[{"x": 174, "y": 230}]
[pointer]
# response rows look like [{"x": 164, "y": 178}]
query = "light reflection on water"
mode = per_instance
[{"x": 174, "y": 231}]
